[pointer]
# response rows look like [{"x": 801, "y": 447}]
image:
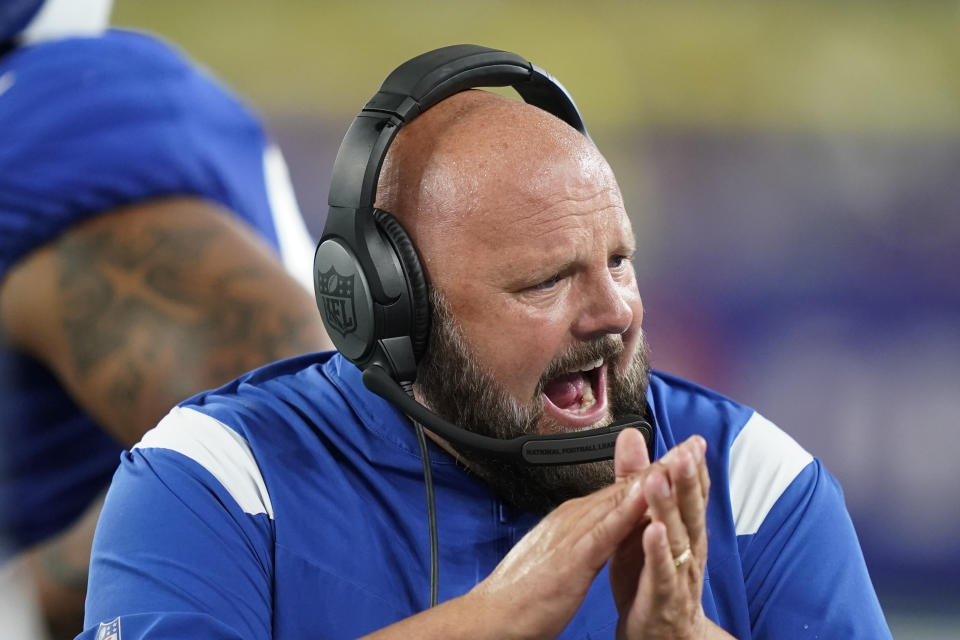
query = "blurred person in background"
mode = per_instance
[
  {"x": 145, "y": 224},
  {"x": 289, "y": 503}
]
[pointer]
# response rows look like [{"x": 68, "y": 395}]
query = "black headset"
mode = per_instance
[{"x": 369, "y": 284}]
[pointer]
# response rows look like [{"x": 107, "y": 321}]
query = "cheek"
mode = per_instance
[
  {"x": 512, "y": 345},
  {"x": 633, "y": 337},
  {"x": 637, "y": 305}
]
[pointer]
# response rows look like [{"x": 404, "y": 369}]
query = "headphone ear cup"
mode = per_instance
[{"x": 410, "y": 263}]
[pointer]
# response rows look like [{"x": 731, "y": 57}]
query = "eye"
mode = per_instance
[
  {"x": 617, "y": 261},
  {"x": 547, "y": 284}
]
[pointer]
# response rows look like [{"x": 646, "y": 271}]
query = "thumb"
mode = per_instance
[{"x": 630, "y": 453}]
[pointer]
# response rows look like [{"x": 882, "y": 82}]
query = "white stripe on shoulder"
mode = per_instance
[
  {"x": 296, "y": 244},
  {"x": 68, "y": 18},
  {"x": 218, "y": 449},
  {"x": 764, "y": 460}
]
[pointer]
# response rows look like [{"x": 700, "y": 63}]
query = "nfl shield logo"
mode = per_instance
[
  {"x": 109, "y": 630},
  {"x": 336, "y": 291}
]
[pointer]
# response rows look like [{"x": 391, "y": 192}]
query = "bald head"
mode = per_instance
[{"x": 470, "y": 142}]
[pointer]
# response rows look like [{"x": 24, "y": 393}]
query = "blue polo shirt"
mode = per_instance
[{"x": 290, "y": 504}]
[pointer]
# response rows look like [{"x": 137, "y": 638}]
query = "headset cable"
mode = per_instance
[{"x": 431, "y": 505}]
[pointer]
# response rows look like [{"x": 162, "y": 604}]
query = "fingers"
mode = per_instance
[
  {"x": 630, "y": 453},
  {"x": 687, "y": 473},
  {"x": 658, "y": 567},
  {"x": 666, "y": 601},
  {"x": 676, "y": 497},
  {"x": 674, "y": 490},
  {"x": 663, "y": 509},
  {"x": 610, "y": 518},
  {"x": 704, "y": 473}
]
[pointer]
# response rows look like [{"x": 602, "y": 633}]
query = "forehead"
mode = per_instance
[
  {"x": 573, "y": 198},
  {"x": 534, "y": 220},
  {"x": 555, "y": 227}
]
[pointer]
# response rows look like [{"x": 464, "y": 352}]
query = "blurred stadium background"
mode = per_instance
[{"x": 792, "y": 173}]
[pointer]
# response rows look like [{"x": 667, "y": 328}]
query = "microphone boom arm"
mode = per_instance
[{"x": 560, "y": 449}]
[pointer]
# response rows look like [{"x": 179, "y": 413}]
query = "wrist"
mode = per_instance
[
  {"x": 709, "y": 630},
  {"x": 464, "y": 618},
  {"x": 495, "y": 617}
]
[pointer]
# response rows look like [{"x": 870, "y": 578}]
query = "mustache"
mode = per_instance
[{"x": 580, "y": 355}]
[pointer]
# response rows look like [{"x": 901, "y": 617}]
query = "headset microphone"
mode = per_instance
[{"x": 566, "y": 448}]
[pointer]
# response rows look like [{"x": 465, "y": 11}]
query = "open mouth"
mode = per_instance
[{"x": 578, "y": 398}]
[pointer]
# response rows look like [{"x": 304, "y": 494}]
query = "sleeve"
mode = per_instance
[
  {"x": 94, "y": 124},
  {"x": 804, "y": 572},
  {"x": 184, "y": 546}
]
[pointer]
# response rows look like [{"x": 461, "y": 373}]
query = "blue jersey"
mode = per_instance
[
  {"x": 88, "y": 125},
  {"x": 290, "y": 504}
]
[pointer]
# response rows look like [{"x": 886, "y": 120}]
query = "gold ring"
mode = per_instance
[{"x": 685, "y": 555}]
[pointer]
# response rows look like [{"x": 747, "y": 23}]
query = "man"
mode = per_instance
[
  {"x": 143, "y": 214},
  {"x": 289, "y": 503}
]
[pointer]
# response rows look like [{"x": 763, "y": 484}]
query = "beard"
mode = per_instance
[{"x": 454, "y": 385}]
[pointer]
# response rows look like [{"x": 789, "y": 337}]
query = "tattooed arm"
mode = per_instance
[
  {"x": 134, "y": 311},
  {"x": 140, "y": 308}
]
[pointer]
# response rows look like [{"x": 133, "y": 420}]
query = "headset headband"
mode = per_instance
[{"x": 417, "y": 85}]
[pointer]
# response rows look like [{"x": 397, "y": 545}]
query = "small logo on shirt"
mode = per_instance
[
  {"x": 336, "y": 291},
  {"x": 109, "y": 630}
]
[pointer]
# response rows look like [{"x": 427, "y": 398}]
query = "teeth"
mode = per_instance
[
  {"x": 587, "y": 400},
  {"x": 593, "y": 365}
]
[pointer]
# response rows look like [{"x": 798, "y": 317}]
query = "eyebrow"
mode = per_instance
[{"x": 524, "y": 277}]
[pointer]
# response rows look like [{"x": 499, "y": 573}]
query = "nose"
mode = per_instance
[{"x": 606, "y": 308}]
